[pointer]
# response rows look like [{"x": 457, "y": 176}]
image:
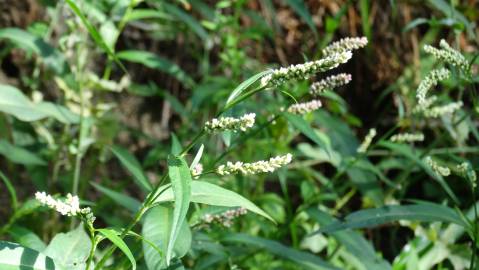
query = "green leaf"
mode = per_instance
[
  {"x": 354, "y": 242},
  {"x": 20, "y": 155},
  {"x": 180, "y": 178},
  {"x": 11, "y": 190},
  {"x": 70, "y": 249},
  {"x": 115, "y": 239},
  {"x": 133, "y": 166},
  {"x": 305, "y": 128},
  {"x": 14, "y": 102},
  {"x": 407, "y": 151},
  {"x": 126, "y": 201},
  {"x": 417, "y": 212},
  {"x": 245, "y": 84},
  {"x": 207, "y": 193},
  {"x": 141, "y": 14},
  {"x": 16, "y": 257},
  {"x": 305, "y": 260},
  {"x": 94, "y": 34},
  {"x": 52, "y": 58},
  {"x": 26, "y": 238},
  {"x": 157, "y": 62},
  {"x": 156, "y": 229},
  {"x": 299, "y": 6},
  {"x": 192, "y": 23}
]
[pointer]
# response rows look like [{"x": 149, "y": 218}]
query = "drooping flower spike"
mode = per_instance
[
  {"x": 346, "y": 44},
  {"x": 441, "y": 170},
  {"x": 230, "y": 123},
  {"x": 431, "y": 80},
  {"x": 305, "y": 71},
  {"x": 261, "y": 166},
  {"x": 330, "y": 83},
  {"x": 67, "y": 207},
  {"x": 305, "y": 107},
  {"x": 407, "y": 137},
  {"x": 367, "y": 141},
  {"x": 447, "y": 54}
]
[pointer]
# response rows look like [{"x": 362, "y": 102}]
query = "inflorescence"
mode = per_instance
[
  {"x": 407, "y": 137},
  {"x": 305, "y": 71},
  {"x": 466, "y": 170},
  {"x": 447, "y": 54},
  {"x": 440, "y": 170},
  {"x": 305, "y": 107},
  {"x": 67, "y": 207},
  {"x": 367, "y": 141},
  {"x": 437, "y": 111},
  {"x": 226, "y": 218},
  {"x": 428, "y": 82},
  {"x": 330, "y": 83},
  {"x": 261, "y": 166},
  {"x": 346, "y": 44},
  {"x": 230, "y": 123}
]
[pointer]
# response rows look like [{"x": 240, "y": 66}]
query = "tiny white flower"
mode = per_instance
[{"x": 70, "y": 206}]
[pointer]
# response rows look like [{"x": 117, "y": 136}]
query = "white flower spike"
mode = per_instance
[
  {"x": 231, "y": 123},
  {"x": 305, "y": 107},
  {"x": 346, "y": 44},
  {"x": 330, "y": 83},
  {"x": 261, "y": 166}
]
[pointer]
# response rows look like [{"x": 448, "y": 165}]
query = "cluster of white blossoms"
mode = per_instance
[
  {"x": 346, "y": 44},
  {"x": 230, "y": 123},
  {"x": 447, "y": 54},
  {"x": 226, "y": 218},
  {"x": 305, "y": 107},
  {"x": 261, "y": 166},
  {"x": 67, "y": 207},
  {"x": 438, "y": 111},
  {"x": 197, "y": 170},
  {"x": 467, "y": 171},
  {"x": 427, "y": 83},
  {"x": 329, "y": 83},
  {"x": 367, "y": 141},
  {"x": 306, "y": 70},
  {"x": 441, "y": 170},
  {"x": 407, "y": 137}
]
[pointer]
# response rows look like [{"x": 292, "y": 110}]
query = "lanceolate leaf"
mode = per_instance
[
  {"x": 180, "y": 177},
  {"x": 305, "y": 128},
  {"x": 211, "y": 194},
  {"x": 354, "y": 242},
  {"x": 20, "y": 155},
  {"x": 417, "y": 212},
  {"x": 52, "y": 58},
  {"x": 244, "y": 85},
  {"x": 115, "y": 239},
  {"x": 16, "y": 257},
  {"x": 126, "y": 201},
  {"x": 305, "y": 260},
  {"x": 156, "y": 230},
  {"x": 157, "y": 62},
  {"x": 133, "y": 166}
]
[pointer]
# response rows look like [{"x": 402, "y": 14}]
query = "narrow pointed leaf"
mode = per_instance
[
  {"x": 133, "y": 166},
  {"x": 117, "y": 241},
  {"x": 244, "y": 85}
]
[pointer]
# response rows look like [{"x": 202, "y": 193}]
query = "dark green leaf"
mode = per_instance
[
  {"x": 115, "y": 239},
  {"x": 126, "y": 201},
  {"x": 16, "y": 257},
  {"x": 133, "y": 166}
]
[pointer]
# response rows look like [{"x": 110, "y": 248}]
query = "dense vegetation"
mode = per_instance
[{"x": 194, "y": 134}]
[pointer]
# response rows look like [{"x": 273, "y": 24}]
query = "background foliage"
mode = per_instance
[{"x": 96, "y": 95}]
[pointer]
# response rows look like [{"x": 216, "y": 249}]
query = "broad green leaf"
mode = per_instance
[
  {"x": 11, "y": 190},
  {"x": 15, "y": 257},
  {"x": 299, "y": 6},
  {"x": 94, "y": 34},
  {"x": 70, "y": 249},
  {"x": 180, "y": 178},
  {"x": 133, "y": 166},
  {"x": 245, "y": 84},
  {"x": 354, "y": 242},
  {"x": 20, "y": 155},
  {"x": 207, "y": 193},
  {"x": 377, "y": 216},
  {"x": 115, "y": 239},
  {"x": 14, "y": 102},
  {"x": 156, "y": 229},
  {"x": 52, "y": 58},
  {"x": 26, "y": 238},
  {"x": 304, "y": 259},
  {"x": 157, "y": 62},
  {"x": 126, "y": 201}
]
